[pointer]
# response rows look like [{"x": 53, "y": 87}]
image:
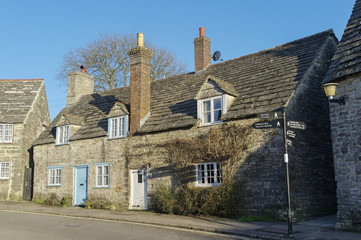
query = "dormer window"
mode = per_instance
[
  {"x": 62, "y": 134},
  {"x": 6, "y": 133},
  {"x": 118, "y": 127},
  {"x": 212, "y": 110},
  {"x": 213, "y": 100}
]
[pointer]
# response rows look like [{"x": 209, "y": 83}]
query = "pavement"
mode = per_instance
[{"x": 321, "y": 228}]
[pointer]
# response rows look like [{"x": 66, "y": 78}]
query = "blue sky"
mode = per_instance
[{"x": 36, "y": 34}]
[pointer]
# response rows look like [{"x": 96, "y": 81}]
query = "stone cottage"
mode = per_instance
[
  {"x": 345, "y": 115},
  {"x": 110, "y": 145},
  {"x": 23, "y": 116}
]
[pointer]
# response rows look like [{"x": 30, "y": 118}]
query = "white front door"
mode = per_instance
[{"x": 138, "y": 189}]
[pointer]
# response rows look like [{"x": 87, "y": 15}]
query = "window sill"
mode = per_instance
[
  {"x": 101, "y": 187},
  {"x": 61, "y": 144},
  {"x": 114, "y": 138},
  {"x": 53, "y": 185},
  {"x": 210, "y": 124},
  {"x": 209, "y": 185}
]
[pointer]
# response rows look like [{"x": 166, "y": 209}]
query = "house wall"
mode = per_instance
[
  {"x": 262, "y": 169},
  {"x": 346, "y": 142},
  {"x": 17, "y": 153}
]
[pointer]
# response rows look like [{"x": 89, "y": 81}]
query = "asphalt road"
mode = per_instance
[{"x": 29, "y": 226}]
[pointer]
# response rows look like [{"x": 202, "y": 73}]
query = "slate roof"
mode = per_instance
[
  {"x": 17, "y": 97},
  {"x": 347, "y": 59},
  {"x": 262, "y": 82}
]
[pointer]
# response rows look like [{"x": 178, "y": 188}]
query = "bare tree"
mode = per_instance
[{"x": 108, "y": 62}]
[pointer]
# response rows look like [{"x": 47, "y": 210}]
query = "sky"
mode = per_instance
[{"x": 35, "y": 35}]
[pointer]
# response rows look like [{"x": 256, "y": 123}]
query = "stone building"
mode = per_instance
[
  {"x": 108, "y": 145},
  {"x": 345, "y": 70},
  {"x": 23, "y": 115}
]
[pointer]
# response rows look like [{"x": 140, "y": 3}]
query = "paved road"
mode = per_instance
[{"x": 29, "y": 226}]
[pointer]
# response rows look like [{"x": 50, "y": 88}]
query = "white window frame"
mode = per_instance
[
  {"x": 62, "y": 135},
  {"x": 102, "y": 175},
  {"x": 118, "y": 127},
  {"x": 6, "y": 133},
  {"x": 200, "y": 110},
  {"x": 55, "y": 175},
  {"x": 208, "y": 174},
  {"x": 4, "y": 170}
]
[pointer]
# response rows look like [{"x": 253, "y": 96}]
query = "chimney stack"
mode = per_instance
[
  {"x": 202, "y": 51},
  {"x": 79, "y": 84},
  {"x": 139, "y": 84}
]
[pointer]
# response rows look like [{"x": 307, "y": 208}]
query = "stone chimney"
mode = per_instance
[
  {"x": 139, "y": 84},
  {"x": 202, "y": 51},
  {"x": 79, "y": 84}
]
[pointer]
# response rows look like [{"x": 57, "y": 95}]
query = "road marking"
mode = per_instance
[{"x": 180, "y": 228}]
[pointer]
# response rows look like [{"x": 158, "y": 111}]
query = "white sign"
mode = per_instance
[{"x": 286, "y": 158}]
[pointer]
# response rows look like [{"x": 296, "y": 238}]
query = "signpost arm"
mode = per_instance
[{"x": 289, "y": 212}]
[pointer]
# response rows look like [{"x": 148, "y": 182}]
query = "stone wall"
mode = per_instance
[{"x": 346, "y": 141}]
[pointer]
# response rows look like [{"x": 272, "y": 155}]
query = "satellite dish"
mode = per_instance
[{"x": 216, "y": 55}]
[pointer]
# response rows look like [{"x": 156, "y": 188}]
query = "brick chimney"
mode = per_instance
[
  {"x": 139, "y": 84},
  {"x": 79, "y": 84},
  {"x": 202, "y": 51}
]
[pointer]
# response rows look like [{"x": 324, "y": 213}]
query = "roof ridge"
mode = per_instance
[
  {"x": 330, "y": 31},
  {"x": 35, "y": 79}
]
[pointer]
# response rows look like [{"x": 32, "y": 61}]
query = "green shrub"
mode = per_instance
[
  {"x": 164, "y": 199},
  {"x": 226, "y": 200},
  {"x": 188, "y": 200}
]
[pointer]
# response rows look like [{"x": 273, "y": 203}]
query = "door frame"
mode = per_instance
[
  {"x": 145, "y": 192},
  {"x": 76, "y": 167}
]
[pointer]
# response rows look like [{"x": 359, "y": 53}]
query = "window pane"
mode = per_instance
[
  {"x": 217, "y": 115},
  {"x": 100, "y": 180},
  {"x": 217, "y": 103},
  {"x": 114, "y": 127},
  {"x": 60, "y": 135},
  {"x": 51, "y": 176},
  {"x": 140, "y": 177},
  {"x": 207, "y": 106},
  {"x": 106, "y": 175},
  {"x": 210, "y": 173},
  {"x": 207, "y": 117},
  {"x": 58, "y": 176},
  {"x": 99, "y": 175},
  {"x": 106, "y": 180}
]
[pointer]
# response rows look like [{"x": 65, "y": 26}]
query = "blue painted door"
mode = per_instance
[{"x": 81, "y": 185}]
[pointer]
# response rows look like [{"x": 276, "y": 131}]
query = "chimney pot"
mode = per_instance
[
  {"x": 201, "y": 32},
  {"x": 82, "y": 69},
  {"x": 140, "y": 38}
]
